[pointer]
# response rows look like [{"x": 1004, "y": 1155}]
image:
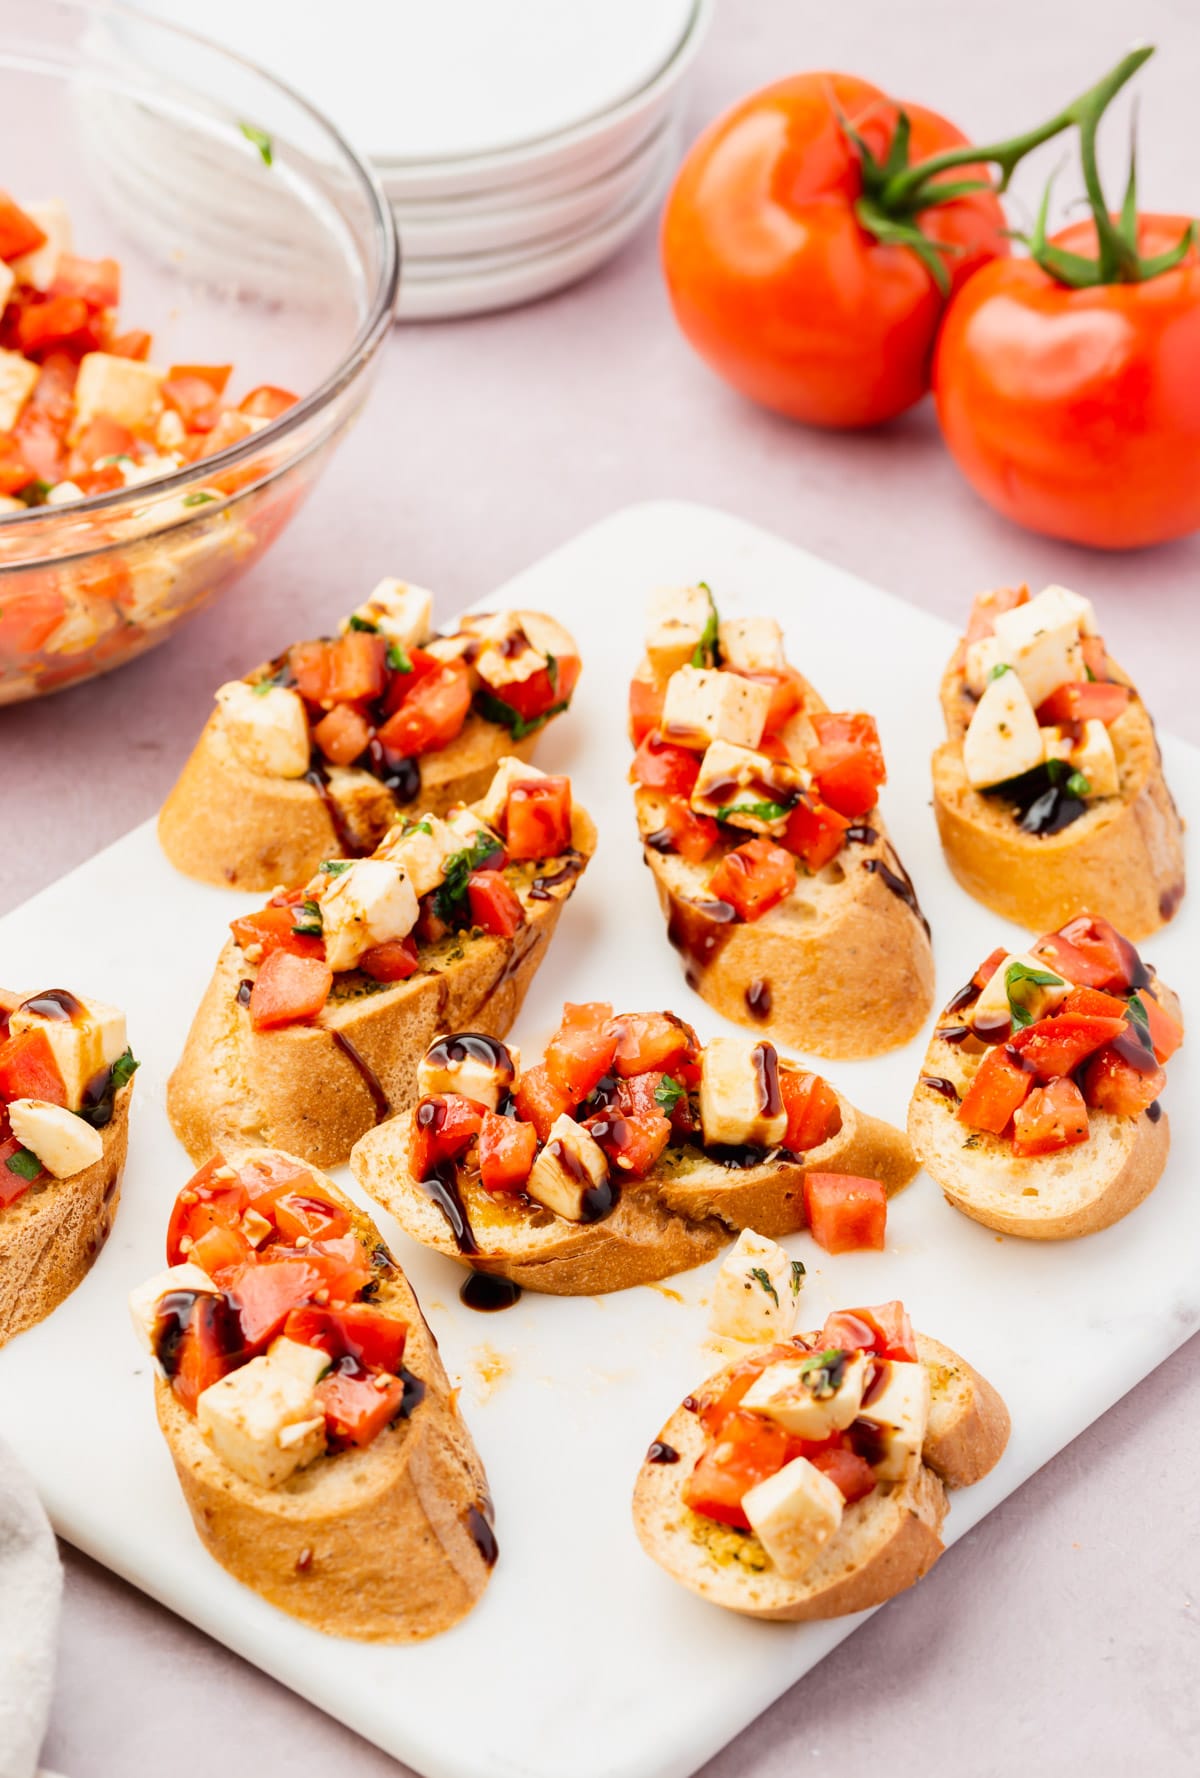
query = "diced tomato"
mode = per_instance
[
  {"x": 1000, "y": 1085},
  {"x": 884, "y": 1329},
  {"x": 194, "y": 399},
  {"x": 19, "y": 233},
  {"x": 1084, "y": 702},
  {"x": 444, "y": 1126},
  {"x": 815, "y": 834},
  {"x": 539, "y": 1101},
  {"x": 692, "y": 836},
  {"x": 215, "y": 375},
  {"x": 358, "y": 1404},
  {"x": 99, "y": 481},
  {"x": 989, "y": 966},
  {"x": 1090, "y": 1003},
  {"x": 638, "y": 1097},
  {"x": 751, "y": 1448},
  {"x": 220, "y": 1250},
  {"x": 1052, "y": 1117},
  {"x": 134, "y": 344},
  {"x": 357, "y": 667},
  {"x": 1095, "y": 656},
  {"x": 1165, "y": 1034},
  {"x": 13, "y": 1185},
  {"x": 632, "y": 1142},
  {"x": 847, "y": 1471},
  {"x": 1058, "y": 1045},
  {"x": 97, "y": 282},
  {"x": 722, "y": 1398},
  {"x": 203, "y": 1355},
  {"x": 645, "y": 708},
  {"x": 299, "y": 1214},
  {"x": 231, "y": 429},
  {"x": 288, "y": 989},
  {"x": 537, "y": 817},
  {"x": 1120, "y": 1081},
  {"x": 359, "y": 1331},
  {"x": 15, "y": 472},
  {"x": 342, "y": 734},
  {"x": 435, "y": 706},
  {"x": 581, "y": 1051},
  {"x": 266, "y": 402},
  {"x": 813, "y": 1111},
  {"x": 28, "y": 1069},
  {"x": 847, "y": 763},
  {"x": 845, "y": 1213},
  {"x": 1114, "y": 962},
  {"x": 787, "y": 695},
  {"x": 101, "y": 437},
  {"x": 342, "y": 1265},
  {"x": 204, "y": 1203},
  {"x": 658, "y": 765},
  {"x": 420, "y": 665},
  {"x": 506, "y": 1152},
  {"x": 656, "y": 1040},
  {"x": 496, "y": 907},
  {"x": 311, "y": 665},
  {"x": 989, "y": 606},
  {"x": 754, "y": 878},
  {"x": 273, "y": 928},
  {"x": 542, "y": 691},
  {"x": 50, "y": 322},
  {"x": 393, "y": 961},
  {"x": 264, "y": 1295}
]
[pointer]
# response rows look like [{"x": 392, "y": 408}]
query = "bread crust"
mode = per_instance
[
  {"x": 1123, "y": 859},
  {"x": 374, "y": 1544},
  {"x": 224, "y": 824},
  {"x": 297, "y": 1089},
  {"x": 50, "y": 1237},
  {"x": 681, "y": 1216},
  {"x": 884, "y": 1544}
]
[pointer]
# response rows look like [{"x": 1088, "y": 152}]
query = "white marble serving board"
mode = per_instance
[{"x": 583, "y": 1659}]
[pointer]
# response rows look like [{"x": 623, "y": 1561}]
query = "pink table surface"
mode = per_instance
[{"x": 1065, "y": 1631}]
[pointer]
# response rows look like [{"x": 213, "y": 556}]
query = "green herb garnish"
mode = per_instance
[
  {"x": 397, "y": 660},
  {"x": 200, "y": 498},
  {"x": 334, "y": 867},
  {"x": 764, "y": 811},
  {"x": 1014, "y": 976},
  {"x": 496, "y": 710},
  {"x": 1138, "y": 1013},
  {"x": 261, "y": 687},
  {"x": 308, "y": 922},
  {"x": 449, "y": 896},
  {"x": 706, "y": 650},
  {"x": 260, "y": 140},
  {"x": 24, "y": 1164},
  {"x": 998, "y": 669},
  {"x": 759, "y": 1275},
  {"x": 1078, "y": 785},
  {"x": 410, "y": 827},
  {"x": 668, "y": 1093},
  {"x": 124, "y": 1069},
  {"x": 362, "y": 623},
  {"x": 798, "y": 1270}
]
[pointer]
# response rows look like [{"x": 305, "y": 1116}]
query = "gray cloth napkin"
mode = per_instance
[{"x": 30, "y": 1596}]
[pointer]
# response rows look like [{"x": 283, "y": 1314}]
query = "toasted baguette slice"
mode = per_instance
[
  {"x": 225, "y": 824},
  {"x": 383, "y": 1543},
  {"x": 301, "y": 1088},
  {"x": 679, "y": 1217},
  {"x": 1123, "y": 857},
  {"x": 885, "y": 1542}
]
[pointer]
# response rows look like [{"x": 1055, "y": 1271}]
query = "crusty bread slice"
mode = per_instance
[
  {"x": 50, "y": 1237},
  {"x": 1049, "y": 1197},
  {"x": 1123, "y": 858},
  {"x": 884, "y": 1544},
  {"x": 225, "y": 824},
  {"x": 299, "y": 1089},
  {"x": 384, "y": 1544},
  {"x": 679, "y": 1217}
]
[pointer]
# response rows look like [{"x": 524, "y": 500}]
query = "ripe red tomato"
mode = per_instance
[
  {"x": 1077, "y": 412},
  {"x": 775, "y": 281}
]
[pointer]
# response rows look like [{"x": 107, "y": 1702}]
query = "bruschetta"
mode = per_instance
[
  {"x": 323, "y": 1003},
  {"x": 758, "y": 816},
  {"x": 66, "y": 1079},
  {"x": 314, "y": 1432},
  {"x": 629, "y": 1153},
  {"x": 809, "y": 1479},
  {"x": 317, "y": 753},
  {"x": 1049, "y": 790},
  {"x": 1037, "y": 1111}
]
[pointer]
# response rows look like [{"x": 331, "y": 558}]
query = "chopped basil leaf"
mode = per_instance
[
  {"x": 1079, "y": 785},
  {"x": 1057, "y": 770},
  {"x": 307, "y": 922},
  {"x": 798, "y": 1270},
  {"x": 759, "y": 1275},
  {"x": 449, "y": 897},
  {"x": 1090, "y": 675},
  {"x": 124, "y": 1068},
  {"x": 24, "y": 1164},
  {"x": 260, "y": 140},
  {"x": 496, "y": 710},
  {"x": 706, "y": 650},
  {"x": 411, "y": 826},
  {"x": 397, "y": 660},
  {"x": 764, "y": 811},
  {"x": 363, "y": 623},
  {"x": 261, "y": 687},
  {"x": 552, "y": 671},
  {"x": 998, "y": 669},
  {"x": 1138, "y": 1013},
  {"x": 199, "y": 498},
  {"x": 334, "y": 867},
  {"x": 1014, "y": 976},
  {"x": 668, "y": 1093}
]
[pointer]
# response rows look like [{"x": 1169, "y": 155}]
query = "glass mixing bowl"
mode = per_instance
[{"x": 248, "y": 232}]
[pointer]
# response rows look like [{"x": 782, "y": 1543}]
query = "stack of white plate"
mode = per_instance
[{"x": 520, "y": 142}]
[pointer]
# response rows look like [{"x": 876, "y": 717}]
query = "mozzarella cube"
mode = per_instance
[
  {"x": 308, "y": 1364},
  {"x": 83, "y": 1044},
  {"x": 480, "y": 1068},
  {"x": 1038, "y": 999},
  {"x": 1004, "y": 739},
  {"x": 468, "y": 828},
  {"x": 366, "y": 905},
  {"x": 704, "y": 705},
  {"x": 899, "y": 1408},
  {"x": 813, "y": 1398},
  {"x": 1055, "y": 744},
  {"x": 752, "y": 644},
  {"x": 568, "y": 1169},
  {"x": 267, "y": 727},
  {"x": 170, "y": 431},
  {"x": 507, "y": 656},
  {"x": 263, "y": 1421},
  {"x": 547, "y": 635},
  {"x": 402, "y": 613},
  {"x": 1040, "y": 641},
  {"x": 122, "y": 389},
  {"x": 18, "y": 374},
  {"x": 451, "y": 648},
  {"x": 979, "y": 660},
  {"x": 755, "y": 1294},
  {"x": 1083, "y": 608},
  {"x": 794, "y": 1514},
  {"x": 145, "y": 1301},
  {"x": 509, "y": 771},
  {"x": 1096, "y": 758},
  {"x": 740, "y": 1101},
  {"x": 62, "y": 1142},
  {"x": 38, "y": 267},
  {"x": 738, "y": 785},
  {"x": 63, "y": 493},
  {"x": 421, "y": 850},
  {"x": 676, "y": 619}
]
